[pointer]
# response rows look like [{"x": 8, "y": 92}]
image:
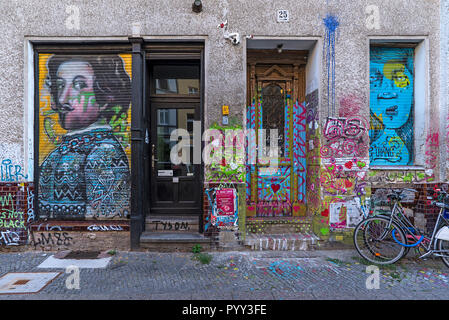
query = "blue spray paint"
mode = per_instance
[
  {"x": 331, "y": 24},
  {"x": 11, "y": 172}
]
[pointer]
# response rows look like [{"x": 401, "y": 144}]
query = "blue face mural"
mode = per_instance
[{"x": 391, "y": 106}]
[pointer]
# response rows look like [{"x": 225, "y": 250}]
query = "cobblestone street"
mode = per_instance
[{"x": 264, "y": 275}]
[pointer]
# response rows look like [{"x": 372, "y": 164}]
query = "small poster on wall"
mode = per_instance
[
  {"x": 225, "y": 208},
  {"x": 337, "y": 215},
  {"x": 347, "y": 214},
  {"x": 353, "y": 214},
  {"x": 225, "y": 202}
]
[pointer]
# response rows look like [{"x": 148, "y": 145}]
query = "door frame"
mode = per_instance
[
  {"x": 297, "y": 59},
  {"x": 170, "y": 104},
  {"x": 172, "y": 51}
]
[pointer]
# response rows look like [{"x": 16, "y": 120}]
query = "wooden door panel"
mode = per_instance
[{"x": 276, "y": 92}]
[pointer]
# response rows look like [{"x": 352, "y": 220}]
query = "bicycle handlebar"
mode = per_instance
[{"x": 440, "y": 204}]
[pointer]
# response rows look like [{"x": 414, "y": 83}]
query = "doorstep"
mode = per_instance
[{"x": 282, "y": 242}]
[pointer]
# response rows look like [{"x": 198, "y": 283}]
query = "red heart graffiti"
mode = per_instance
[
  {"x": 348, "y": 164},
  {"x": 348, "y": 184},
  {"x": 275, "y": 187}
]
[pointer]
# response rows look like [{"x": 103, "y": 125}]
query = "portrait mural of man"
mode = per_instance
[
  {"x": 84, "y": 136},
  {"x": 391, "y": 106}
]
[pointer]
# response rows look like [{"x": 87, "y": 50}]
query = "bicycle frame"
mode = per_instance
[{"x": 398, "y": 216}]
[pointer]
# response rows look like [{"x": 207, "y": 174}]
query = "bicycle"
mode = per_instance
[{"x": 386, "y": 238}]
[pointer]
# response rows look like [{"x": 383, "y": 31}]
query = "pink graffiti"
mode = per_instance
[
  {"x": 432, "y": 146},
  {"x": 335, "y": 180},
  {"x": 346, "y": 137},
  {"x": 349, "y": 106}
]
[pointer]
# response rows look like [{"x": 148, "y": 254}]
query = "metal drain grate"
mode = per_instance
[{"x": 82, "y": 255}]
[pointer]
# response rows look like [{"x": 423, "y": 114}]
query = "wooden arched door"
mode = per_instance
[{"x": 276, "y": 181}]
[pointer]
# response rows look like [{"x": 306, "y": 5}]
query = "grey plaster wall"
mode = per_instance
[
  {"x": 225, "y": 63},
  {"x": 444, "y": 89}
]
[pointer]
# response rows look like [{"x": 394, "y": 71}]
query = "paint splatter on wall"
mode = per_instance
[
  {"x": 331, "y": 25},
  {"x": 391, "y": 106},
  {"x": 84, "y": 135}
]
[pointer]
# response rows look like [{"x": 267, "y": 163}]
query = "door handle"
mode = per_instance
[{"x": 153, "y": 159}]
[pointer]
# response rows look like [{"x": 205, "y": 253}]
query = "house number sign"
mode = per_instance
[{"x": 283, "y": 16}]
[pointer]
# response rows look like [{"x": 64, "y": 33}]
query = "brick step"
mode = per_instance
[
  {"x": 175, "y": 224},
  {"x": 282, "y": 242},
  {"x": 170, "y": 242}
]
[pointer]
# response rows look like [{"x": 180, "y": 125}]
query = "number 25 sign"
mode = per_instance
[{"x": 283, "y": 16}]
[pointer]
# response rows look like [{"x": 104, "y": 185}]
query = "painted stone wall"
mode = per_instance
[
  {"x": 339, "y": 119},
  {"x": 16, "y": 213},
  {"x": 83, "y": 137},
  {"x": 444, "y": 87},
  {"x": 20, "y": 230}
]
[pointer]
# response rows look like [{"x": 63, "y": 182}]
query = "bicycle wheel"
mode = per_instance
[
  {"x": 373, "y": 240},
  {"x": 443, "y": 245}
]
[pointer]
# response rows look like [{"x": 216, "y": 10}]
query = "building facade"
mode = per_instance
[{"x": 144, "y": 124}]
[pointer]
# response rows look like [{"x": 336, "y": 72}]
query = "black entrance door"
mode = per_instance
[{"x": 174, "y": 112}]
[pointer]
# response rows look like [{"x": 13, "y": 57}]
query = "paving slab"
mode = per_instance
[{"x": 235, "y": 275}]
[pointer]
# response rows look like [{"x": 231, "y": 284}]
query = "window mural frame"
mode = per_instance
[
  {"x": 413, "y": 117},
  {"x": 107, "y": 48}
]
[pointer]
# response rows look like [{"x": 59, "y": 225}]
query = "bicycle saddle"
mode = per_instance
[{"x": 395, "y": 195}]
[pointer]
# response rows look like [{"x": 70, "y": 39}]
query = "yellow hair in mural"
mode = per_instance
[{"x": 396, "y": 71}]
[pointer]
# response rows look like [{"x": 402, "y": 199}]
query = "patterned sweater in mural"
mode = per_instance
[{"x": 86, "y": 176}]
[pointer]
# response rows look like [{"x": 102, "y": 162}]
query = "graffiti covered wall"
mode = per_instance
[
  {"x": 84, "y": 136},
  {"x": 16, "y": 212}
]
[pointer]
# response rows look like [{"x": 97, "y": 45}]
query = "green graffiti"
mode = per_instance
[
  {"x": 408, "y": 177},
  {"x": 49, "y": 130},
  {"x": 420, "y": 175},
  {"x": 372, "y": 173},
  {"x": 231, "y": 168},
  {"x": 6, "y": 200},
  {"x": 86, "y": 95}
]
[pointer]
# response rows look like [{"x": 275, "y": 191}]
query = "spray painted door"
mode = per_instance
[{"x": 276, "y": 182}]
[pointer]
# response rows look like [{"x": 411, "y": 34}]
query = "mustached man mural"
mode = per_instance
[{"x": 84, "y": 124}]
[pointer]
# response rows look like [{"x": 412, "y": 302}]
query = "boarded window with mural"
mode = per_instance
[
  {"x": 391, "y": 106},
  {"x": 84, "y": 136}
]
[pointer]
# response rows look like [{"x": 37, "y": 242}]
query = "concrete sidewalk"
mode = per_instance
[{"x": 255, "y": 275}]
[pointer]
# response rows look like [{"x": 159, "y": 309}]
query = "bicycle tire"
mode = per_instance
[
  {"x": 388, "y": 216},
  {"x": 371, "y": 247},
  {"x": 443, "y": 245}
]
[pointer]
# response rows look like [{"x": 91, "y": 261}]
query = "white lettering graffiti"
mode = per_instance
[
  {"x": 10, "y": 238},
  {"x": 94, "y": 227}
]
